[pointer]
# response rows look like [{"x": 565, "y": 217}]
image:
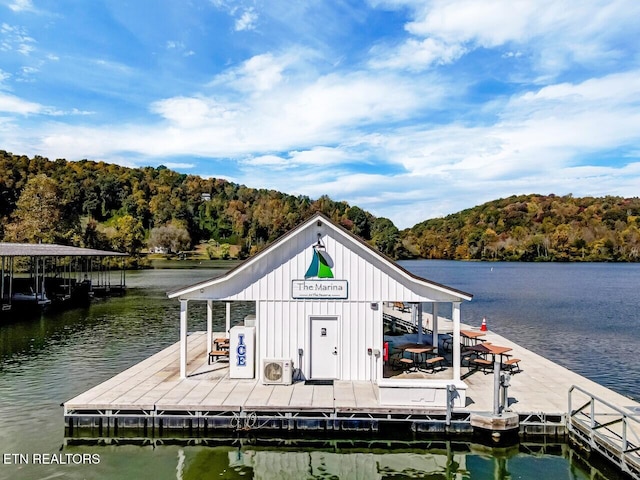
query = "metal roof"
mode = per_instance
[{"x": 51, "y": 250}]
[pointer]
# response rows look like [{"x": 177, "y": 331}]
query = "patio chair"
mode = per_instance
[
  {"x": 482, "y": 364},
  {"x": 433, "y": 362},
  {"x": 512, "y": 365},
  {"x": 406, "y": 364},
  {"x": 216, "y": 355}
]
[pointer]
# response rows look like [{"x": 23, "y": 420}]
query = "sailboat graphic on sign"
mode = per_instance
[
  {"x": 319, "y": 267},
  {"x": 319, "y": 282}
]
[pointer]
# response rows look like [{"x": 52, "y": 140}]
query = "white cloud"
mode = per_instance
[
  {"x": 179, "y": 47},
  {"x": 273, "y": 161},
  {"x": 12, "y": 104},
  {"x": 247, "y": 20},
  {"x": 258, "y": 74},
  {"x": 178, "y": 165},
  {"x": 22, "y": 6},
  {"x": 246, "y": 17},
  {"x": 417, "y": 55},
  {"x": 297, "y": 114},
  {"x": 553, "y": 33},
  {"x": 15, "y": 38},
  {"x": 323, "y": 156}
]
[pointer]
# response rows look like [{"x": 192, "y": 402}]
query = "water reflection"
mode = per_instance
[{"x": 277, "y": 459}]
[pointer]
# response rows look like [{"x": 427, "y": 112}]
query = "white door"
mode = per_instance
[{"x": 324, "y": 347}]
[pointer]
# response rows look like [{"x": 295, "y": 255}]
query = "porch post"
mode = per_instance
[
  {"x": 183, "y": 338},
  {"x": 455, "y": 313},
  {"x": 434, "y": 325},
  {"x": 420, "y": 324},
  {"x": 228, "y": 320},
  {"x": 415, "y": 320},
  {"x": 209, "y": 325}
]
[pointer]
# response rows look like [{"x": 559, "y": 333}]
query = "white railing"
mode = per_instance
[{"x": 612, "y": 431}]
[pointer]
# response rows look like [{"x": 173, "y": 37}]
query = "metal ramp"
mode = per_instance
[{"x": 599, "y": 426}]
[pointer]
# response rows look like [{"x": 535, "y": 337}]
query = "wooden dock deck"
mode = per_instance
[{"x": 151, "y": 394}]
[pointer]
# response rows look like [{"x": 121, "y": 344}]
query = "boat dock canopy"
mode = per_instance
[{"x": 52, "y": 250}]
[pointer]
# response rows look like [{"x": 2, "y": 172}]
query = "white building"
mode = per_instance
[{"x": 319, "y": 293}]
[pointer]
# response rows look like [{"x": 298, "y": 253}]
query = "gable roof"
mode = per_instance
[{"x": 344, "y": 233}]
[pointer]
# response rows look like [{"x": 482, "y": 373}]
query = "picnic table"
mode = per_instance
[
  {"x": 470, "y": 336},
  {"x": 220, "y": 350},
  {"x": 484, "y": 349}
]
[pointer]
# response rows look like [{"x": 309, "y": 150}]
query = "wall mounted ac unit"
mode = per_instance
[{"x": 277, "y": 371}]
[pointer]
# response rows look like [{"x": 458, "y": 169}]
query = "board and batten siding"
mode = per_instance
[
  {"x": 369, "y": 279},
  {"x": 285, "y": 328}
]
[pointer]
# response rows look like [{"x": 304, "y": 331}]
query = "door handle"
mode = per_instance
[{"x": 335, "y": 350}]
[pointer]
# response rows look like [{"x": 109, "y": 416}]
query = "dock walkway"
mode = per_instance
[{"x": 153, "y": 390}]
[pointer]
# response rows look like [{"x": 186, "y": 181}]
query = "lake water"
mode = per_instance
[{"x": 583, "y": 316}]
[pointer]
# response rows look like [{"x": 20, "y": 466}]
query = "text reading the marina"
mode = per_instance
[
  {"x": 337, "y": 289},
  {"x": 50, "y": 458}
]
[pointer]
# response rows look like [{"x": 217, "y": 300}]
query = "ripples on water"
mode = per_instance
[
  {"x": 585, "y": 317},
  {"x": 582, "y": 316}
]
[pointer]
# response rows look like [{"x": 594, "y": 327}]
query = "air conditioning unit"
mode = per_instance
[{"x": 276, "y": 371}]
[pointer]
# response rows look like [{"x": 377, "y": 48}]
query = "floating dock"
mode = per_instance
[{"x": 151, "y": 398}]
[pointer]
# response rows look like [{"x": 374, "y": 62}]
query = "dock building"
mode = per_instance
[{"x": 320, "y": 294}]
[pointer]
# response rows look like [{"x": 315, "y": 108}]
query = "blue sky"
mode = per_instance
[{"x": 409, "y": 109}]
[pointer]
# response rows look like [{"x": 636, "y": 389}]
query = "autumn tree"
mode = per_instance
[
  {"x": 126, "y": 234},
  {"x": 172, "y": 237},
  {"x": 37, "y": 216}
]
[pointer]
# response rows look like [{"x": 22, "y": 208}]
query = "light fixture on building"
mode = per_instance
[{"x": 319, "y": 245}]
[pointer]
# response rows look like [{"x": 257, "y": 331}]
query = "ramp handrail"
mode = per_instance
[{"x": 611, "y": 430}]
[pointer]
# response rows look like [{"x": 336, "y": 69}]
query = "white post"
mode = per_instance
[
  {"x": 183, "y": 338},
  {"x": 416, "y": 321},
  {"x": 228, "y": 320},
  {"x": 434, "y": 325},
  {"x": 209, "y": 325},
  {"x": 455, "y": 313}
]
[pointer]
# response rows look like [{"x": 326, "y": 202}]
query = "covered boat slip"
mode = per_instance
[
  {"x": 320, "y": 296},
  {"x": 36, "y": 275}
]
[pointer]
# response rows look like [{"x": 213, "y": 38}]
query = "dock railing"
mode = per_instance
[{"x": 612, "y": 431}]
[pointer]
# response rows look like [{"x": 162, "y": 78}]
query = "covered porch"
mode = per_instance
[{"x": 394, "y": 386}]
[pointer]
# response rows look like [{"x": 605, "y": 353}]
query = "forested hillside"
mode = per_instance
[
  {"x": 99, "y": 205},
  {"x": 534, "y": 228}
]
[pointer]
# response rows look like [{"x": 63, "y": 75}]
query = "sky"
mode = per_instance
[{"x": 409, "y": 109}]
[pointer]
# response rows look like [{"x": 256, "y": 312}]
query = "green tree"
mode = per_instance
[
  {"x": 127, "y": 235},
  {"x": 361, "y": 226},
  {"x": 385, "y": 236},
  {"x": 37, "y": 217}
]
